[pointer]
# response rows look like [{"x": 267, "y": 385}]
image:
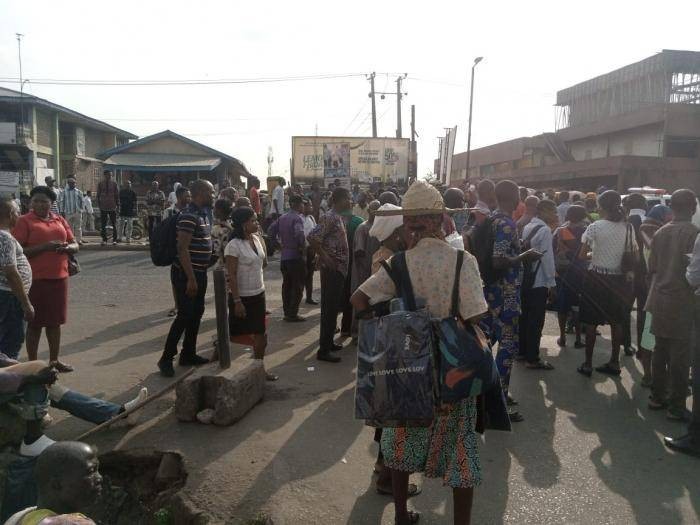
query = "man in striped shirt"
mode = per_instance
[
  {"x": 70, "y": 205},
  {"x": 188, "y": 275}
]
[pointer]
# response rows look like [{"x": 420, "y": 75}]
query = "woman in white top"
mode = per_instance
[
  {"x": 245, "y": 259},
  {"x": 607, "y": 292}
]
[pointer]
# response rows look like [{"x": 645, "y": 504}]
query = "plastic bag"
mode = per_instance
[
  {"x": 455, "y": 240},
  {"x": 395, "y": 370}
]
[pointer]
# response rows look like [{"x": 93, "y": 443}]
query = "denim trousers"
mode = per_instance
[
  {"x": 35, "y": 400},
  {"x": 12, "y": 324}
]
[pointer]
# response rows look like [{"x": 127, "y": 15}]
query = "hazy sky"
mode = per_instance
[{"x": 531, "y": 50}]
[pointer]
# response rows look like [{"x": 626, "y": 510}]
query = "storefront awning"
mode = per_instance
[{"x": 161, "y": 162}]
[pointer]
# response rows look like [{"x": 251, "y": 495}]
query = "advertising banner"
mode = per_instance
[{"x": 349, "y": 159}]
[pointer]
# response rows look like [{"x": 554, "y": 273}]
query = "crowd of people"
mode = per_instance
[{"x": 593, "y": 258}]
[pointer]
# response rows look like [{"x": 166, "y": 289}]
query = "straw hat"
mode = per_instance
[{"x": 420, "y": 199}]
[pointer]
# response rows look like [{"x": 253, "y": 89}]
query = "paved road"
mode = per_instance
[{"x": 589, "y": 451}]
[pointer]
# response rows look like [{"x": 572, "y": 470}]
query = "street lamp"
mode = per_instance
[{"x": 471, "y": 100}]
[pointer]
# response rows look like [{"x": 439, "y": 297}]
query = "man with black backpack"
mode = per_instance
[
  {"x": 188, "y": 275},
  {"x": 500, "y": 261},
  {"x": 538, "y": 279}
]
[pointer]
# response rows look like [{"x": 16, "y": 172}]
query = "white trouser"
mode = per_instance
[
  {"x": 75, "y": 221},
  {"x": 128, "y": 223},
  {"x": 88, "y": 221}
]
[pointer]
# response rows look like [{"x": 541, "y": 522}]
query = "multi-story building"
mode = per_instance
[
  {"x": 638, "y": 125},
  {"x": 40, "y": 138}
]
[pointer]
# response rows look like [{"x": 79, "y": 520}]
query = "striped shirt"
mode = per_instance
[
  {"x": 70, "y": 201},
  {"x": 194, "y": 220}
]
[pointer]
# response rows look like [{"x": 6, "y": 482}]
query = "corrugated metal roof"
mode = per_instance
[{"x": 162, "y": 162}]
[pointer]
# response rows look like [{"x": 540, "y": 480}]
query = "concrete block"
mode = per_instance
[{"x": 230, "y": 393}]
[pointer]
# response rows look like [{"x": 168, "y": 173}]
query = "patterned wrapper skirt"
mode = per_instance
[{"x": 447, "y": 449}]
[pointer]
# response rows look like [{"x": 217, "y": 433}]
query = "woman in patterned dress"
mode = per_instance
[{"x": 448, "y": 448}]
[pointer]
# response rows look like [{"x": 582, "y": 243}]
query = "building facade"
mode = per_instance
[
  {"x": 40, "y": 138},
  {"x": 635, "y": 126}
]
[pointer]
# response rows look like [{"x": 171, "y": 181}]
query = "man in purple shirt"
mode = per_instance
[{"x": 290, "y": 230}]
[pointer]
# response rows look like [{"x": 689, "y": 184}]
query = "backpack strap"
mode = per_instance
[
  {"x": 534, "y": 231},
  {"x": 402, "y": 280},
  {"x": 454, "y": 309}
]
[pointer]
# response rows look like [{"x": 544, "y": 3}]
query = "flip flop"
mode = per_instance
[
  {"x": 585, "y": 370},
  {"x": 608, "y": 369},
  {"x": 579, "y": 344},
  {"x": 413, "y": 490},
  {"x": 540, "y": 365},
  {"x": 271, "y": 377}
]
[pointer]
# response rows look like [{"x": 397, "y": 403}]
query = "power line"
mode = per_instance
[
  {"x": 355, "y": 117},
  {"x": 185, "y": 82}
]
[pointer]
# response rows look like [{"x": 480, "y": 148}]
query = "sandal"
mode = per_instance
[
  {"x": 412, "y": 517},
  {"x": 271, "y": 377},
  {"x": 608, "y": 369},
  {"x": 515, "y": 416},
  {"x": 172, "y": 313},
  {"x": 413, "y": 490},
  {"x": 540, "y": 365},
  {"x": 561, "y": 342},
  {"x": 63, "y": 368},
  {"x": 585, "y": 370},
  {"x": 579, "y": 344}
]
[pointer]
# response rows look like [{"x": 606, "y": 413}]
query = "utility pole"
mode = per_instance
[
  {"x": 413, "y": 154},
  {"x": 471, "y": 101},
  {"x": 399, "y": 95},
  {"x": 374, "y": 106},
  {"x": 21, "y": 81}
]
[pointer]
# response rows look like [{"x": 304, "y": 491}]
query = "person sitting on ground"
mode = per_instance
[
  {"x": 30, "y": 387},
  {"x": 68, "y": 482}
]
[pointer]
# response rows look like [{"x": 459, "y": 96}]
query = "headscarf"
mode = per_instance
[{"x": 385, "y": 225}]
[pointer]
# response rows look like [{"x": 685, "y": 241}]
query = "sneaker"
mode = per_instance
[
  {"x": 328, "y": 357},
  {"x": 133, "y": 419},
  {"x": 35, "y": 448},
  {"x": 194, "y": 360},
  {"x": 166, "y": 368}
]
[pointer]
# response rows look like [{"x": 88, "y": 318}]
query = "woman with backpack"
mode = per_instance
[
  {"x": 570, "y": 271},
  {"x": 610, "y": 246}
]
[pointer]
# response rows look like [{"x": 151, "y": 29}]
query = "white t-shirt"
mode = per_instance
[
  {"x": 278, "y": 197},
  {"x": 250, "y": 265},
  {"x": 607, "y": 240}
]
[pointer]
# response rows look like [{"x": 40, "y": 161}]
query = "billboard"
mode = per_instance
[{"x": 356, "y": 159}]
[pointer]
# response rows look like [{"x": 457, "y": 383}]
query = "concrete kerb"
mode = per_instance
[{"x": 227, "y": 395}]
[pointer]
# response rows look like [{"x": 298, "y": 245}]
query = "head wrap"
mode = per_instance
[{"x": 384, "y": 226}]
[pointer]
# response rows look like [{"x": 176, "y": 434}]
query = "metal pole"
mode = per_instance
[
  {"x": 398, "y": 107},
  {"x": 21, "y": 82},
  {"x": 220, "y": 301},
  {"x": 471, "y": 102},
  {"x": 374, "y": 106}
]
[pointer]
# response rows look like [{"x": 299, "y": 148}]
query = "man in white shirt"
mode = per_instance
[
  {"x": 564, "y": 206},
  {"x": 538, "y": 236},
  {"x": 277, "y": 201},
  {"x": 88, "y": 212},
  {"x": 309, "y": 225},
  {"x": 70, "y": 205}
]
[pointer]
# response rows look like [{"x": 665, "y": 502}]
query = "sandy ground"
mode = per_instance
[{"x": 588, "y": 452}]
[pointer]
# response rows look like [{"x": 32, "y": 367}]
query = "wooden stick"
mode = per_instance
[{"x": 126, "y": 413}]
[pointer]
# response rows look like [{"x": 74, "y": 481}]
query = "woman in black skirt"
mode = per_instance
[
  {"x": 607, "y": 292},
  {"x": 245, "y": 259}
]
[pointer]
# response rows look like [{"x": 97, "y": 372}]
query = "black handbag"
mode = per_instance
[{"x": 73, "y": 265}]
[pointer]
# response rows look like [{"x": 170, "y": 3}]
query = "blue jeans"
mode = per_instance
[
  {"x": 11, "y": 324},
  {"x": 35, "y": 398}
]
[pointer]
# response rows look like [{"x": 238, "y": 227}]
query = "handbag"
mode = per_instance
[
  {"x": 629, "y": 257},
  {"x": 396, "y": 378},
  {"x": 73, "y": 265}
]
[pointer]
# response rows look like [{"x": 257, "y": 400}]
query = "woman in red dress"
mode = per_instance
[{"x": 47, "y": 240}]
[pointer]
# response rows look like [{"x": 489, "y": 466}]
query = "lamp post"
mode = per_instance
[{"x": 471, "y": 101}]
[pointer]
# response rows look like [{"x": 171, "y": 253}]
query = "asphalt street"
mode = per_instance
[{"x": 589, "y": 450}]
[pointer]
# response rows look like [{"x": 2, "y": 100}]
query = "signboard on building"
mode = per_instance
[
  {"x": 9, "y": 182},
  {"x": 349, "y": 159}
]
